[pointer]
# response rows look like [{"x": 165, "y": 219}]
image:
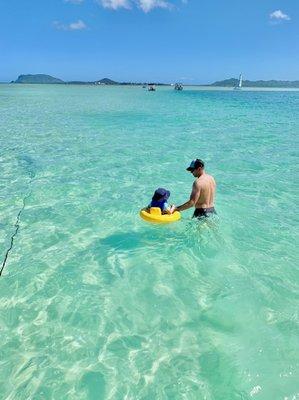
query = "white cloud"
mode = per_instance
[
  {"x": 278, "y": 14},
  {"x": 77, "y": 26},
  {"x": 148, "y": 5},
  {"x": 144, "y": 5},
  {"x": 73, "y": 26},
  {"x": 115, "y": 4}
]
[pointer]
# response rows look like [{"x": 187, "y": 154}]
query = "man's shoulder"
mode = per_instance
[
  {"x": 199, "y": 182},
  {"x": 210, "y": 177},
  {"x": 204, "y": 180}
]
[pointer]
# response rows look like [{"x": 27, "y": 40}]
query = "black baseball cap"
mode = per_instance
[{"x": 195, "y": 164}]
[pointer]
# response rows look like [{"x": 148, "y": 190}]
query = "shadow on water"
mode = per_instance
[
  {"x": 124, "y": 240},
  {"x": 201, "y": 236},
  {"x": 28, "y": 164},
  {"x": 184, "y": 244},
  {"x": 148, "y": 245}
]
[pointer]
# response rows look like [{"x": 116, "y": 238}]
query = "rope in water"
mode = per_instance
[{"x": 17, "y": 226}]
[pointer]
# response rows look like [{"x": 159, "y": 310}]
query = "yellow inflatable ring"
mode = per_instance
[{"x": 154, "y": 215}]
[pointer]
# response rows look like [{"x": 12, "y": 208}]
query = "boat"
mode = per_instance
[
  {"x": 178, "y": 86},
  {"x": 151, "y": 87},
  {"x": 239, "y": 87}
]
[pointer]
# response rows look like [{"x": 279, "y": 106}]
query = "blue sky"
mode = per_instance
[{"x": 193, "y": 41}]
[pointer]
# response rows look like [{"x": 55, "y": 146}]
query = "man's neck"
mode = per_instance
[{"x": 200, "y": 174}]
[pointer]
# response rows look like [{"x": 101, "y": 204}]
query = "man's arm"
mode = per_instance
[{"x": 193, "y": 198}]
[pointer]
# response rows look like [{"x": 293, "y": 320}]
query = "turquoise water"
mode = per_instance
[{"x": 97, "y": 304}]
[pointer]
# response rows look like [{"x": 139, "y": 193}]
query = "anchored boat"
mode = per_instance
[
  {"x": 178, "y": 86},
  {"x": 151, "y": 87}
]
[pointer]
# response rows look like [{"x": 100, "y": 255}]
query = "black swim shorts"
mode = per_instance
[{"x": 204, "y": 212}]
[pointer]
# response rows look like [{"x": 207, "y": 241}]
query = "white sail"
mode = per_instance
[
  {"x": 239, "y": 85},
  {"x": 240, "y": 81}
]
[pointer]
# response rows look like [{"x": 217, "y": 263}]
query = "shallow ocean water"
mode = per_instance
[{"x": 97, "y": 304}]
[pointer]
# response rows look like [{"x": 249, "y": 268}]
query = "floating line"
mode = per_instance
[{"x": 17, "y": 226}]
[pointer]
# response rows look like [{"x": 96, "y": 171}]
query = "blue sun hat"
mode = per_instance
[
  {"x": 160, "y": 198},
  {"x": 161, "y": 194}
]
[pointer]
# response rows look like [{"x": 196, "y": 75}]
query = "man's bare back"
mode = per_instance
[
  {"x": 206, "y": 186},
  {"x": 203, "y": 191}
]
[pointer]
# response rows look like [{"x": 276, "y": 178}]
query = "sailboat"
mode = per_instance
[{"x": 239, "y": 87}]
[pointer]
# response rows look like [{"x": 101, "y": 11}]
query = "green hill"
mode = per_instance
[
  {"x": 48, "y": 79},
  {"x": 106, "y": 81},
  {"x": 232, "y": 82},
  {"x": 37, "y": 78}
]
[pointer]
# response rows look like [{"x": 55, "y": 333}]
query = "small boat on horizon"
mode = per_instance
[
  {"x": 178, "y": 86},
  {"x": 151, "y": 87},
  {"x": 239, "y": 86}
]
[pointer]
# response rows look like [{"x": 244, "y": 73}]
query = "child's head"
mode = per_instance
[{"x": 161, "y": 194}]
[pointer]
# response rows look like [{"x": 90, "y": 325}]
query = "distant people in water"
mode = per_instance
[
  {"x": 160, "y": 200},
  {"x": 203, "y": 191}
]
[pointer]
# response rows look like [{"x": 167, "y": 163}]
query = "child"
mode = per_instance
[{"x": 159, "y": 199}]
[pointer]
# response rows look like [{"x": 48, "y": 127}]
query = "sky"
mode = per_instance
[{"x": 191, "y": 41}]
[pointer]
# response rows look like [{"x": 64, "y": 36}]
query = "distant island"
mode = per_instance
[
  {"x": 48, "y": 79},
  {"x": 37, "y": 78},
  {"x": 232, "y": 82},
  {"x": 104, "y": 81}
]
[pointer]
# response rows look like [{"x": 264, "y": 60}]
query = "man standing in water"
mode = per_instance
[{"x": 203, "y": 191}]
